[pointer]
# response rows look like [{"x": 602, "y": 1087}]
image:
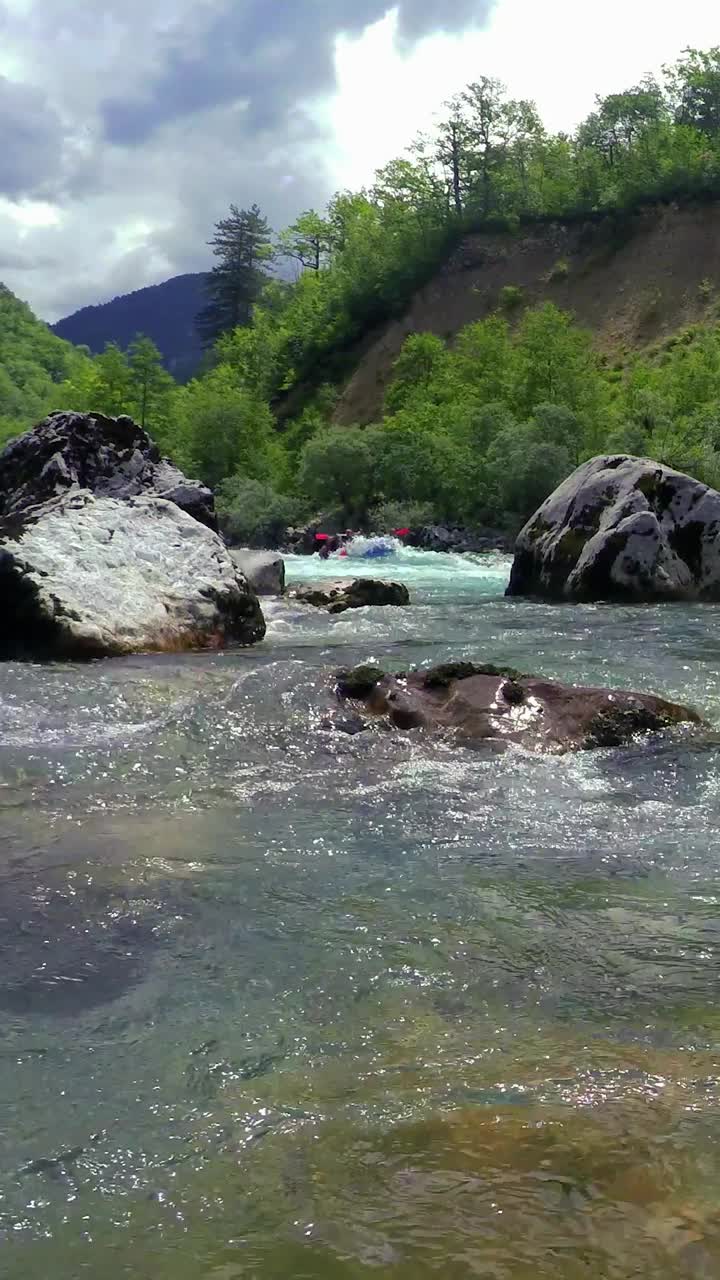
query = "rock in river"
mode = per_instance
[
  {"x": 622, "y": 528},
  {"x": 106, "y": 548},
  {"x": 111, "y": 457},
  {"x": 86, "y": 577},
  {"x": 498, "y": 706},
  {"x": 264, "y": 570},
  {"x": 346, "y": 593}
]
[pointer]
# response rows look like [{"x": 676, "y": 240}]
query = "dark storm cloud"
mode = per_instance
[
  {"x": 32, "y": 139},
  {"x": 269, "y": 55}
]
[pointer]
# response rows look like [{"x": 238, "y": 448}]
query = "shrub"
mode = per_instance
[
  {"x": 387, "y": 516},
  {"x": 560, "y": 271},
  {"x": 523, "y": 472},
  {"x": 337, "y": 469},
  {"x": 253, "y": 514},
  {"x": 511, "y": 297}
]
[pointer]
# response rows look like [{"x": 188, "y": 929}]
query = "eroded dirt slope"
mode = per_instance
[{"x": 632, "y": 284}]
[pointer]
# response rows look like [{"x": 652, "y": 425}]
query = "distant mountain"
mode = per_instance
[{"x": 164, "y": 312}]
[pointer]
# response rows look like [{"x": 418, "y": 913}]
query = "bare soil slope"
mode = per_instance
[{"x": 632, "y": 282}]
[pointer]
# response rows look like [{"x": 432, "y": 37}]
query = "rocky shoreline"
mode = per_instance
[
  {"x": 107, "y": 549},
  {"x": 431, "y": 537}
]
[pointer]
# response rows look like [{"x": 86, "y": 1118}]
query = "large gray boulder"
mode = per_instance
[
  {"x": 264, "y": 570},
  {"x": 84, "y": 577},
  {"x": 112, "y": 457},
  {"x": 625, "y": 529}
]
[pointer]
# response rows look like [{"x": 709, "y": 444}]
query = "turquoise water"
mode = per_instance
[{"x": 282, "y": 1003}]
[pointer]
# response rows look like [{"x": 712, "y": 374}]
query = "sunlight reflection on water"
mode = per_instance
[{"x": 278, "y": 1002}]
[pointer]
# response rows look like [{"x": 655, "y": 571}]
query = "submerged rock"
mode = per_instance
[
  {"x": 71, "y": 948},
  {"x": 87, "y": 577},
  {"x": 264, "y": 570},
  {"x": 622, "y": 528},
  {"x": 346, "y": 593},
  {"x": 482, "y": 703},
  {"x": 110, "y": 457}
]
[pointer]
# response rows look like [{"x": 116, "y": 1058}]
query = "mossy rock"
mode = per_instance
[
  {"x": 443, "y": 676},
  {"x": 618, "y": 726},
  {"x": 359, "y": 682}
]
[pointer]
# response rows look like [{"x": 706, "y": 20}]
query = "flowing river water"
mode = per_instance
[{"x": 276, "y": 1002}]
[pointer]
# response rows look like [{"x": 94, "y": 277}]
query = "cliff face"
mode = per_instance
[{"x": 631, "y": 281}]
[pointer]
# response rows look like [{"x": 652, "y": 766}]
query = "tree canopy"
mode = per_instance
[
  {"x": 478, "y": 430},
  {"x": 242, "y": 243}
]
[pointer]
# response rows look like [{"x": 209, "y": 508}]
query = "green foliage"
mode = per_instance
[
  {"x": 414, "y": 462},
  {"x": 337, "y": 468},
  {"x": 511, "y": 297},
  {"x": 385, "y": 517},
  {"x": 308, "y": 241},
  {"x": 694, "y": 88},
  {"x": 418, "y": 371},
  {"x": 521, "y": 471},
  {"x": 34, "y": 366},
  {"x": 485, "y": 431},
  {"x": 253, "y": 514},
  {"x": 225, "y": 427},
  {"x": 151, "y": 388},
  {"x": 242, "y": 243},
  {"x": 559, "y": 271},
  {"x": 555, "y": 364}
]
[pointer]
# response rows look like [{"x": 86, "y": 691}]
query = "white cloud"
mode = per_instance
[
  {"x": 160, "y": 112},
  {"x": 561, "y": 53}
]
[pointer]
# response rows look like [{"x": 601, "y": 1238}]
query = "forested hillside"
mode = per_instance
[
  {"x": 33, "y": 364},
  {"x": 164, "y": 312},
  {"x": 501, "y": 303}
]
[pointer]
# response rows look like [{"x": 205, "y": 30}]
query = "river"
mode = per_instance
[{"x": 278, "y": 1002}]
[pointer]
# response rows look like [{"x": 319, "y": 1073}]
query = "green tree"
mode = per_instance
[
  {"x": 522, "y": 472},
  {"x": 226, "y": 428},
  {"x": 418, "y": 372},
  {"x": 496, "y": 126},
  {"x": 694, "y": 87},
  {"x": 555, "y": 364},
  {"x": 151, "y": 385},
  {"x": 253, "y": 514},
  {"x": 415, "y": 463},
  {"x": 453, "y": 151},
  {"x": 622, "y": 119},
  {"x": 242, "y": 243},
  {"x": 308, "y": 240},
  {"x": 482, "y": 359},
  {"x": 114, "y": 386},
  {"x": 337, "y": 468},
  {"x": 557, "y": 425}
]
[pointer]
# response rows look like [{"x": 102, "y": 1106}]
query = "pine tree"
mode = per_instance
[{"x": 242, "y": 242}]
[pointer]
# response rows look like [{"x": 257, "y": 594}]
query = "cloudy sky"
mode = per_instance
[{"x": 128, "y": 126}]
